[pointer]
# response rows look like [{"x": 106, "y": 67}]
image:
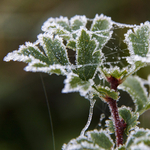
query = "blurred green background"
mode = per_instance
[{"x": 24, "y": 119}]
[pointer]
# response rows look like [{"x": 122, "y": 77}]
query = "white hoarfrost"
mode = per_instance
[
  {"x": 140, "y": 146},
  {"x": 52, "y": 23},
  {"x": 83, "y": 87},
  {"x": 134, "y": 57},
  {"x": 82, "y": 19},
  {"x": 102, "y": 17},
  {"x": 17, "y": 55},
  {"x": 137, "y": 138}
]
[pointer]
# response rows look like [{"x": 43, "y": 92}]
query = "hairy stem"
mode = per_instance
[
  {"x": 118, "y": 123},
  {"x": 116, "y": 119}
]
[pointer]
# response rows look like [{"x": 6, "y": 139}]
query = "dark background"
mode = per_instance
[{"x": 24, "y": 119}]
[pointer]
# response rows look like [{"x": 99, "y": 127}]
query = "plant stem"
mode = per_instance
[
  {"x": 119, "y": 124},
  {"x": 119, "y": 129}
]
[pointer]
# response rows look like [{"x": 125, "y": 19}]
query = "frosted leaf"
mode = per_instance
[
  {"x": 135, "y": 87},
  {"x": 141, "y": 146},
  {"x": 78, "y": 21},
  {"x": 75, "y": 84},
  {"x": 129, "y": 117},
  {"x": 115, "y": 72},
  {"x": 86, "y": 57},
  {"x": 37, "y": 66},
  {"x": 101, "y": 138},
  {"x": 71, "y": 44},
  {"x": 58, "y": 26},
  {"x": 27, "y": 53},
  {"x": 138, "y": 43},
  {"x": 54, "y": 49},
  {"x": 110, "y": 125},
  {"x": 105, "y": 92},
  {"x": 101, "y": 23},
  {"x": 64, "y": 22},
  {"x": 138, "y": 137},
  {"x": 49, "y": 25},
  {"x": 53, "y": 60},
  {"x": 52, "y": 23},
  {"x": 94, "y": 140},
  {"x": 101, "y": 27}
]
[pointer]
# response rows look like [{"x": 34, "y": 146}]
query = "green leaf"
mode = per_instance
[
  {"x": 94, "y": 140},
  {"x": 115, "y": 72},
  {"x": 101, "y": 138},
  {"x": 138, "y": 41},
  {"x": 110, "y": 125},
  {"x": 87, "y": 58},
  {"x": 63, "y": 22},
  {"x": 77, "y": 22},
  {"x": 75, "y": 84},
  {"x": 71, "y": 44},
  {"x": 134, "y": 86},
  {"x": 101, "y": 29},
  {"x": 101, "y": 23},
  {"x": 58, "y": 26},
  {"x": 139, "y": 139},
  {"x": 121, "y": 147},
  {"x": 54, "y": 49},
  {"x": 129, "y": 117},
  {"x": 105, "y": 92}
]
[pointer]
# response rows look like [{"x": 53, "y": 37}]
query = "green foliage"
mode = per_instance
[
  {"x": 139, "y": 138},
  {"x": 105, "y": 92},
  {"x": 139, "y": 40},
  {"x": 134, "y": 86},
  {"x": 94, "y": 140},
  {"x": 87, "y": 58},
  {"x": 92, "y": 75},
  {"x": 129, "y": 117}
]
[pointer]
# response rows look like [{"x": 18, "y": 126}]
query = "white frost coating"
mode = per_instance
[
  {"x": 102, "y": 117},
  {"x": 105, "y": 132},
  {"x": 140, "y": 139},
  {"x": 48, "y": 23},
  {"x": 53, "y": 23},
  {"x": 102, "y": 17},
  {"x": 92, "y": 102},
  {"x": 141, "y": 81},
  {"x": 140, "y": 146},
  {"x": 50, "y": 36},
  {"x": 48, "y": 69},
  {"x": 86, "y": 143},
  {"x": 83, "y": 19},
  {"x": 112, "y": 69},
  {"x": 15, "y": 56},
  {"x": 90, "y": 35},
  {"x": 133, "y": 58},
  {"x": 123, "y": 25},
  {"x": 78, "y": 33},
  {"x": 79, "y": 88},
  {"x": 61, "y": 18}
]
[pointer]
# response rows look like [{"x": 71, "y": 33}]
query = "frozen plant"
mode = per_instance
[{"x": 96, "y": 71}]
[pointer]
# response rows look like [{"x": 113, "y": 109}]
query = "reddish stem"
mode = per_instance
[{"x": 120, "y": 125}]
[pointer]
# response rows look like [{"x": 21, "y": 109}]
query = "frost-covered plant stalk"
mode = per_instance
[{"x": 96, "y": 71}]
